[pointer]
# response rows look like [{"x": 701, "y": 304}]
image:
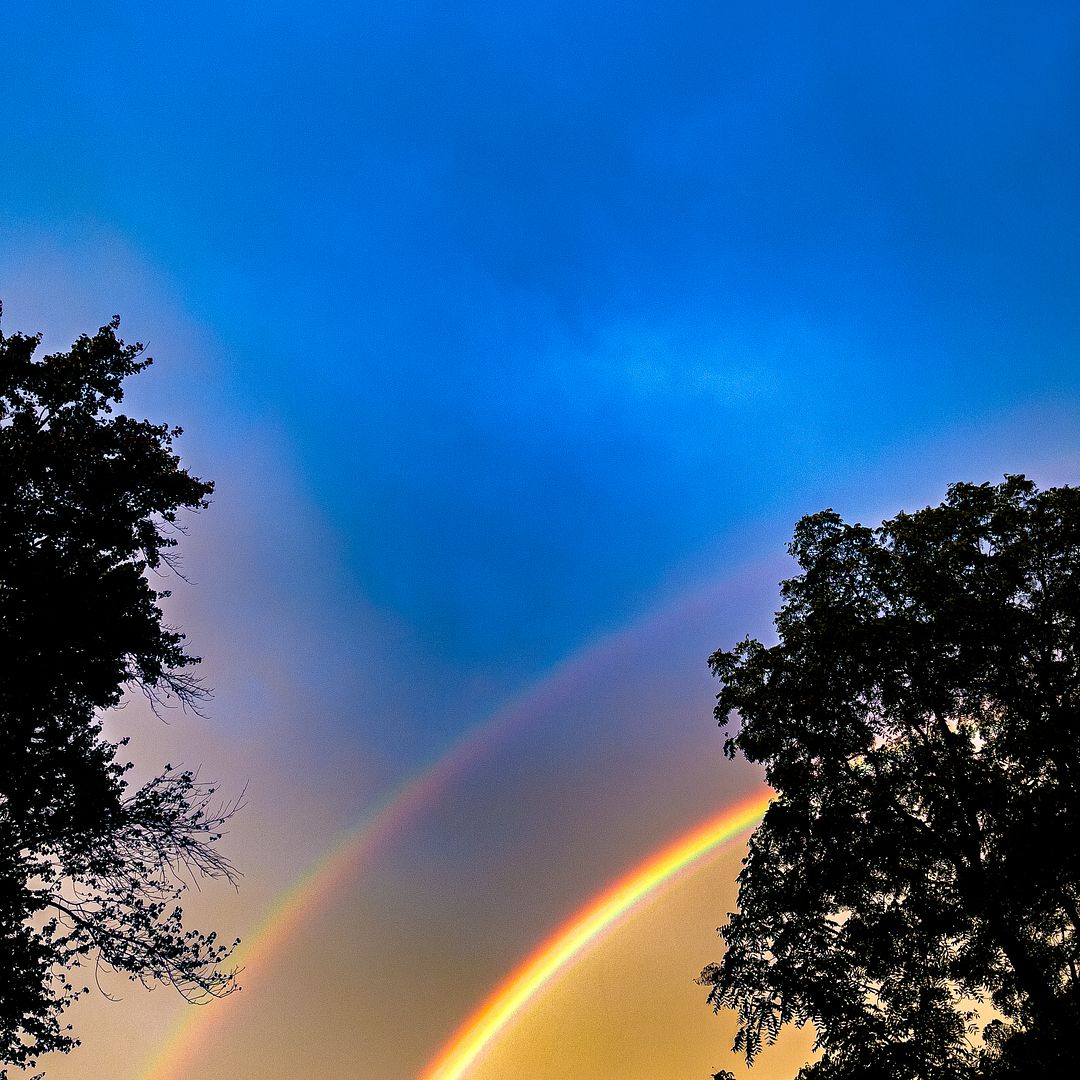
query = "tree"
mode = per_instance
[
  {"x": 91, "y": 871},
  {"x": 912, "y": 889}
]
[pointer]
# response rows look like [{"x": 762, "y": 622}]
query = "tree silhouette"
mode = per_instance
[
  {"x": 912, "y": 890},
  {"x": 91, "y": 871}
]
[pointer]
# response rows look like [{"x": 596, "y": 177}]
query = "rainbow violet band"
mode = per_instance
[{"x": 584, "y": 929}]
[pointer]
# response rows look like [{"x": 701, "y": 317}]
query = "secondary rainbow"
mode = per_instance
[
  {"x": 574, "y": 938},
  {"x": 352, "y": 851}
]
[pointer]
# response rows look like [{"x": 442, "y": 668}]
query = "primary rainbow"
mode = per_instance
[{"x": 570, "y": 940}]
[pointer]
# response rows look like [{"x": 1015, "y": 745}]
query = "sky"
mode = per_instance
[{"x": 516, "y": 339}]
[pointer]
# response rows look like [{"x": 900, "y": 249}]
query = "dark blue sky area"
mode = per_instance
[{"x": 555, "y": 304}]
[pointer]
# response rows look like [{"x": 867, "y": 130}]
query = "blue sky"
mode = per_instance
[
  {"x": 503, "y": 326},
  {"x": 550, "y": 300}
]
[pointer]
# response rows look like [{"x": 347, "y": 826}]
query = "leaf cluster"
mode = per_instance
[
  {"x": 918, "y": 720},
  {"x": 91, "y": 871}
]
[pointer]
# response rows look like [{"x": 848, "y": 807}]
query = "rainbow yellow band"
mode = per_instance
[{"x": 570, "y": 940}]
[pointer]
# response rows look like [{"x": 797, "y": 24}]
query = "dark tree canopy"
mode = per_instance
[
  {"x": 91, "y": 871},
  {"x": 913, "y": 888}
]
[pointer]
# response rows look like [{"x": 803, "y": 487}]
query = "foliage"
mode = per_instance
[
  {"x": 91, "y": 871},
  {"x": 918, "y": 719}
]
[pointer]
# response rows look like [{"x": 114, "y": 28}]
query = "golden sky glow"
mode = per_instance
[
  {"x": 568, "y": 944},
  {"x": 630, "y": 1009}
]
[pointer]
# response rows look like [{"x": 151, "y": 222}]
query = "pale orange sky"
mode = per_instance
[{"x": 628, "y": 1009}]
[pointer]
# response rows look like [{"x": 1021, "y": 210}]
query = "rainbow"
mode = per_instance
[
  {"x": 355, "y": 848},
  {"x": 585, "y": 928}
]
